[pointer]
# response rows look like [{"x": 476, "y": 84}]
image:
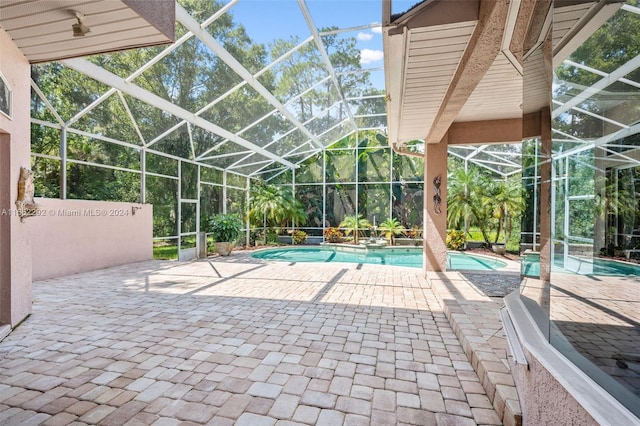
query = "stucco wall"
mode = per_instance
[
  {"x": 543, "y": 400},
  {"x": 553, "y": 390},
  {"x": 71, "y": 236},
  {"x": 435, "y": 224},
  {"x": 15, "y": 250}
]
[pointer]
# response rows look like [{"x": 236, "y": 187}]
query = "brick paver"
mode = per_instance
[{"x": 247, "y": 343}]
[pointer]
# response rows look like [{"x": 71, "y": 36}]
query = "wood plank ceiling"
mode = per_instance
[
  {"x": 42, "y": 30},
  {"x": 421, "y": 61}
]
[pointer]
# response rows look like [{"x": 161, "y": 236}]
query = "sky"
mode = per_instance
[{"x": 267, "y": 20}]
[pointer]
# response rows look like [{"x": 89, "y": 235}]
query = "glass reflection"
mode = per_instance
[{"x": 595, "y": 211}]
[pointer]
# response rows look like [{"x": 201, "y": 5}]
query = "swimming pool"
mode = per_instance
[
  {"x": 580, "y": 266},
  {"x": 389, "y": 256}
]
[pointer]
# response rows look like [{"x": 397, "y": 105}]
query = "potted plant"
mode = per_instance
[{"x": 225, "y": 230}]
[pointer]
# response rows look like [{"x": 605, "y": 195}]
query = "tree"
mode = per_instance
[
  {"x": 391, "y": 227},
  {"x": 615, "y": 43},
  {"x": 507, "y": 205},
  {"x": 297, "y": 73},
  {"x": 311, "y": 198},
  {"x": 475, "y": 198},
  {"x": 192, "y": 77},
  {"x": 275, "y": 206},
  {"x": 353, "y": 225},
  {"x": 468, "y": 200}
]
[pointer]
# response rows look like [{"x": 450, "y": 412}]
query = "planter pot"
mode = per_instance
[
  {"x": 224, "y": 248},
  {"x": 285, "y": 239},
  {"x": 499, "y": 248},
  {"x": 314, "y": 240},
  {"x": 475, "y": 244}
]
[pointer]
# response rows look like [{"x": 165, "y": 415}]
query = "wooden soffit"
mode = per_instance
[{"x": 43, "y": 32}]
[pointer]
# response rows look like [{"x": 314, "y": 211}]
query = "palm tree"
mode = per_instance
[
  {"x": 391, "y": 227},
  {"x": 508, "y": 203},
  {"x": 275, "y": 206},
  {"x": 469, "y": 201},
  {"x": 265, "y": 202},
  {"x": 294, "y": 212},
  {"x": 352, "y": 224}
]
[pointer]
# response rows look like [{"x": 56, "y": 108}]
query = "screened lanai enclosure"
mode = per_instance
[
  {"x": 289, "y": 99},
  {"x": 306, "y": 99},
  {"x": 235, "y": 101}
]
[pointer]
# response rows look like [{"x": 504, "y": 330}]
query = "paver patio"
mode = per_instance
[{"x": 238, "y": 340}]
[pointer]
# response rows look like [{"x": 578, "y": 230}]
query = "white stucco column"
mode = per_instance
[{"x": 435, "y": 212}]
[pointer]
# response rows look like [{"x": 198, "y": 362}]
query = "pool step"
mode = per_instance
[{"x": 475, "y": 319}]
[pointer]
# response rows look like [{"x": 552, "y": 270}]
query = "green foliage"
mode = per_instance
[
  {"x": 614, "y": 44},
  {"x": 507, "y": 205},
  {"x": 224, "y": 227},
  {"x": 455, "y": 239},
  {"x": 391, "y": 227},
  {"x": 513, "y": 244},
  {"x": 475, "y": 199},
  {"x": 304, "y": 69},
  {"x": 354, "y": 225},
  {"x": 299, "y": 237},
  {"x": 611, "y": 46},
  {"x": 467, "y": 198},
  {"x": 311, "y": 198},
  {"x": 271, "y": 236},
  {"x": 192, "y": 77},
  {"x": 275, "y": 206}
]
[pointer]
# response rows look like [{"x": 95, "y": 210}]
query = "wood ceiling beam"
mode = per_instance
[
  {"x": 485, "y": 44},
  {"x": 485, "y": 132},
  {"x": 500, "y": 131}
]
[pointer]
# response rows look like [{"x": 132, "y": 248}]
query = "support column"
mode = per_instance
[
  {"x": 63, "y": 163},
  {"x": 435, "y": 206},
  {"x": 247, "y": 208},
  {"x": 224, "y": 192},
  {"x": 545, "y": 196},
  {"x": 15, "y": 152},
  {"x": 143, "y": 176},
  {"x": 600, "y": 181}
]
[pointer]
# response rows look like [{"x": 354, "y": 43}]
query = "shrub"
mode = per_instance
[
  {"x": 415, "y": 232},
  {"x": 333, "y": 235},
  {"x": 272, "y": 236},
  {"x": 224, "y": 227},
  {"x": 299, "y": 237},
  {"x": 455, "y": 239}
]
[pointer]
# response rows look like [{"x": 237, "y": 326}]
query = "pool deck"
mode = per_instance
[{"x": 238, "y": 340}]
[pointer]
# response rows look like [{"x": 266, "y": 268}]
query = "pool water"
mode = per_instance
[
  {"x": 394, "y": 257},
  {"x": 582, "y": 266}
]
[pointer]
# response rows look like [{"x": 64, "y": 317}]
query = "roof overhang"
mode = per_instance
[
  {"x": 43, "y": 31},
  {"x": 449, "y": 62}
]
